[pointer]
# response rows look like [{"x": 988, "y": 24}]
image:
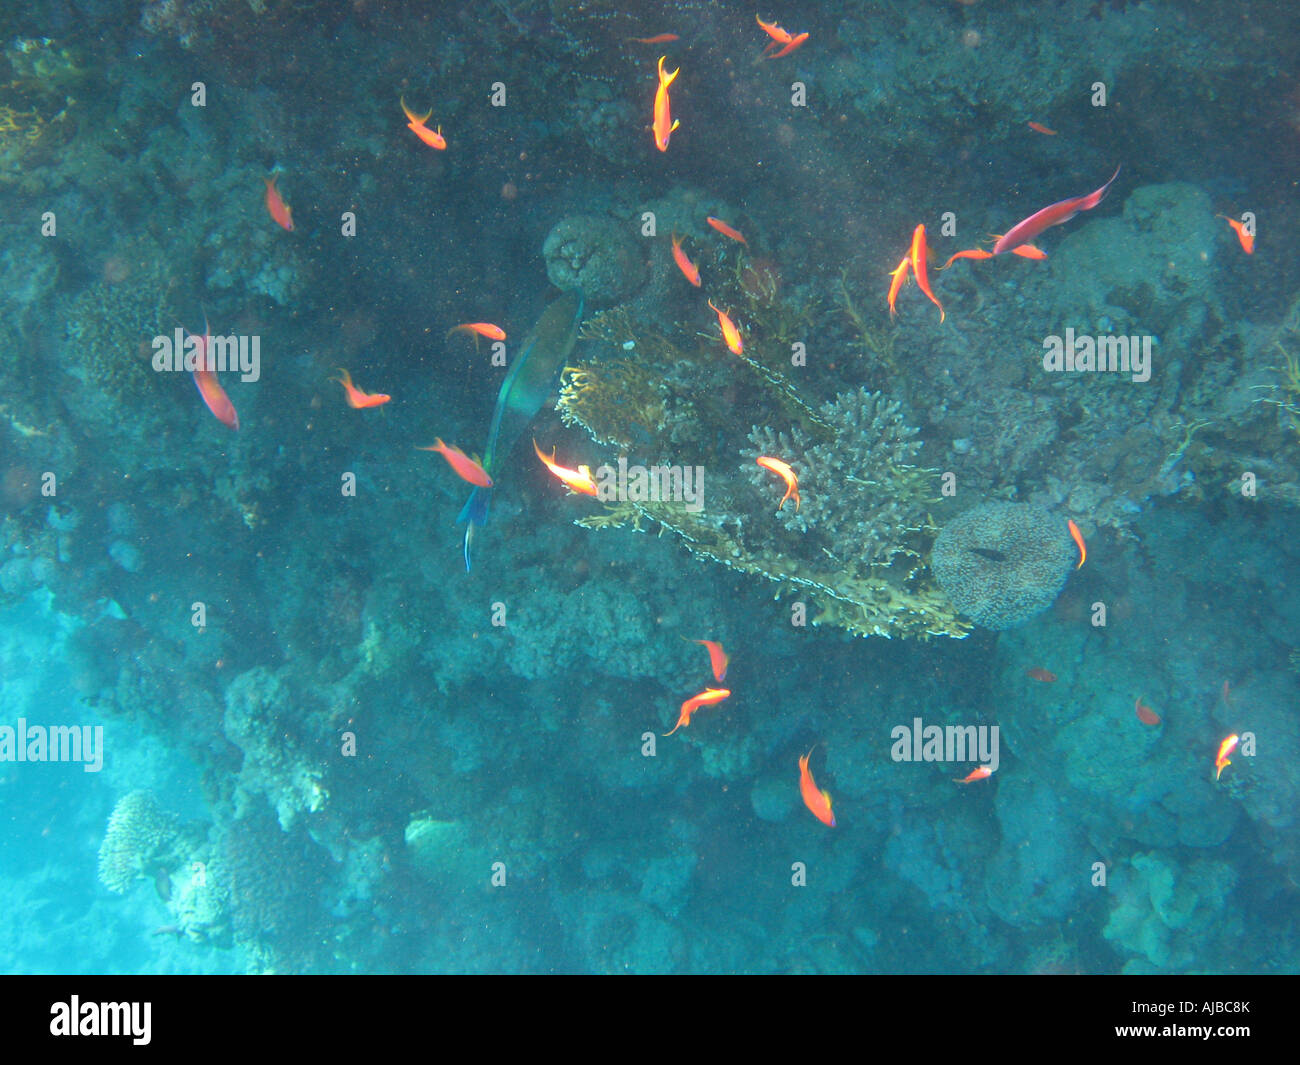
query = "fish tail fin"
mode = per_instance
[{"x": 475, "y": 512}]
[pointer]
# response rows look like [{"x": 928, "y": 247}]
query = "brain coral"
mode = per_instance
[{"x": 1002, "y": 563}]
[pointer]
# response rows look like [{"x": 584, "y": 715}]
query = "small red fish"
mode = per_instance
[
  {"x": 1244, "y": 235},
  {"x": 730, "y": 334},
  {"x": 1038, "y": 673},
  {"x": 787, "y": 474},
  {"x": 1221, "y": 759},
  {"x": 433, "y": 138},
  {"x": 1145, "y": 714},
  {"x": 483, "y": 329},
  {"x": 819, "y": 802},
  {"x": 280, "y": 211},
  {"x": 357, "y": 399},
  {"x": 726, "y": 230},
  {"x": 1078, "y": 539},
  {"x": 466, "y": 468},
  {"x": 1053, "y": 215},
  {"x": 658, "y": 38},
  {"x": 718, "y": 658},
  {"x": 706, "y": 698},
  {"x": 982, "y": 773},
  {"x": 205, "y": 380},
  {"x": 688, "y": 268},
  {"x": 578, "y": 481},
  {"x": 1038, "y": 127},
  {"x": 917, "y": 259}
]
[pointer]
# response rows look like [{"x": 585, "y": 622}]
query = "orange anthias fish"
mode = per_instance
[
  {"x": 1145, "y": 714},
  {"x": 726, "y": 230},
  {"x": 899, "y": 274},
  {"x": 1077, "y": 537},
  {"x": 205, "y": 379},
  {"x": 794, "y": 43},
  {"x": 730, "y": 334},
  {"x": 778, "y": 35},
  {"x": 658, "y": 38},
  {"x": 663, "y": 125},
  {"x": 466, "y": 468},
  {"x": 706, "y": 698},
  {"x": 416, "y": 124},
  {"x": 483, "y": 329},
  {"x": 917, "y": 258},
  {"x": 579, "y": 480},
  {"x": 280, "y": 211},
  {"x": 782, "y": 470},
  {"x": 355, "y": 397},
  {"x": 1038, "y": 127},
  {"x": 1221, "y": 759},
  {"x": 819, "y": 802},
  {"x": 718, "y": 658},
  {"x": 1038, "y": 673},
  {"x": 684, "y": 264},
  {"x": 1244, "y": 235},
  {"x": 982, "y": 773},
  {"x": 1026, "y": 251}
]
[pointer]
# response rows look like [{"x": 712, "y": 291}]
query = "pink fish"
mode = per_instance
[
  {"x": 205, "y": 379},
  {"x": 1024, "y": 232}
]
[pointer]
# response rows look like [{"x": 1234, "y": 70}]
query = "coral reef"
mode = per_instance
[
  {"x": 860, "y": 553},
  {"x": 141, "y": 841},
  {"x": 1002, "y": 563}
]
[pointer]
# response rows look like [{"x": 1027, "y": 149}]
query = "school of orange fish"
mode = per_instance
[{"x": 1016, "y": 240}]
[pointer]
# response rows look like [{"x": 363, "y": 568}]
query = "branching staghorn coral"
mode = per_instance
[{"x": 862, "y": 492}]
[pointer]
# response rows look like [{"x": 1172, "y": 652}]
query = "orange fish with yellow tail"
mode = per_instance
[
  {"x": 578, "y": 481},
  {"x": 787, "y": 474},
  {"x": 416, "y": 124},
  {"x": 663, "y": 125},
  {"x": 730, "y": 334},
  {"x": 706, "y": 698},
  {"x": 819, "y": 802}
]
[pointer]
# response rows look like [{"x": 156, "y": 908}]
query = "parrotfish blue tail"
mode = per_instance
[{"x": 530, "y": 379}]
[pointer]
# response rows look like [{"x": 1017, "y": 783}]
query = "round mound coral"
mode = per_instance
[
  {"x": 596, "y": 254},
  {"x": 1002, "y": 563}
]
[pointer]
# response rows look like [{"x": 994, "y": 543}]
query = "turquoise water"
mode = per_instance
[{"x": 257, "y": 715}]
